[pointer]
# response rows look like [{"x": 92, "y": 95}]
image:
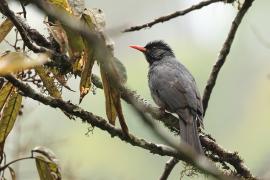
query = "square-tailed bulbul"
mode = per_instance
[{"x": 174, "y": 89}]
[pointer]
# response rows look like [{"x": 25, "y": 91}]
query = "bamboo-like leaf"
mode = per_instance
[
  {"x": 85, "y": 83},
  {"x": 12, "y": 62},
  {"x": 9, "y": 115},
  {"x": 47, "y": 164},
  {"x": 108, "y": 92},
  {"x": 48, "y": 82},
  {"x": 4, "y": 94},
  {"x": 89, "y": 59},
  {"x": 5, "y": 28}
]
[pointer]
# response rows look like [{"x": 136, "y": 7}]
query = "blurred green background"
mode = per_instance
[{"x": 239, "y": 108}]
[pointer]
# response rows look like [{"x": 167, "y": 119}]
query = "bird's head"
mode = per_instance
[{"x": 155, "y": 51}]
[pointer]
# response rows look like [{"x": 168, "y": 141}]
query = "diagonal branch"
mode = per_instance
[
  {"x": 224, "y": 53},
  {"x": 198, "y": 162},
  {"x": 173, "y": 15},
  {"x": 168, "y": 168}
]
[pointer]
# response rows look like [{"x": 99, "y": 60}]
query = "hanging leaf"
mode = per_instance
[
  {"x": 47, "y": 164},
  {"x": 4, "y": 94},
  {"x": 5, "y": 28},
  {"x": 108, "y": 91},
  {"x": 8, "y": 116},
  {"x": 89, "y": 59},
  {"x": 85, "y": 83},
  {"x": 12, "y": 62},
  {"x": 48, "y": 82},
  {"x": 113, "y": 102}
]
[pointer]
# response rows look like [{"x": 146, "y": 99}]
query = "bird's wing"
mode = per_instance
[{"x": 175, "y": 87}]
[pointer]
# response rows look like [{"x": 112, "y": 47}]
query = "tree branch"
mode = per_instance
[
  {"x": 173, "y": 15},
  {"x": 224, "y": 53},
  {"x": 168, "y": 168},
  {"x": 97, "y": 121},
  {"x": 172, "y": 123}
]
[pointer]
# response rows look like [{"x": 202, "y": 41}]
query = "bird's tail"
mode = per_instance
[{"x": 189, "y": 131}]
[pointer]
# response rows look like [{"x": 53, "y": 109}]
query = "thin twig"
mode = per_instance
[
  {"x": 173, "y": 15},
  {"x": 168, "y": 168},
  {"x": 224, "y": 53}
]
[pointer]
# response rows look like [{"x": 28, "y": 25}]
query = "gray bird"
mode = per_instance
[{"x": 174, "y": 89}]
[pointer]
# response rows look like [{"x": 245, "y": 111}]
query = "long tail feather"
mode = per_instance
[{"x": 188, "y": 130}]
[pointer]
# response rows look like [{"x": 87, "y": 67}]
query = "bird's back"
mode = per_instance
[{"x": 173, "y": 87}]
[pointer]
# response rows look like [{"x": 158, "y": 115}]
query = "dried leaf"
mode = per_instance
[
  {"x": 59, "y": 35},
  {"x": 113, "y": 102},
  {"x": 47, "y": 164},
  {"x": 9, "y": 115},
  {"x": 85, "y": 83},
  {"x": 12, "y": 62},
  {"x": 5, "y": 28},
  {"x": 89, "y": 59},
  {"x": 108, "y": 91},
  {"x": 48, "y": 82},
  {"x": 12, "y": 173}
]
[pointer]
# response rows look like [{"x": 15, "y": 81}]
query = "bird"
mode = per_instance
[{"x": 173, "y": 88}]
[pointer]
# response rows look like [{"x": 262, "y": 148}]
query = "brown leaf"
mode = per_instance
[
  {"x": 108, "y": 91},
  {"x": 5, "y": 28},
  {"x": 85, "y": 83}
]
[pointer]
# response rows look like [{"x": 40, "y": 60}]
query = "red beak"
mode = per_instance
[{"x": 140, "y": 48}]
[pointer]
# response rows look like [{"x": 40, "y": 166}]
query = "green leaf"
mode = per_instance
[
  {"x": 62, "y": 4},
  {"x": 12, "y": 62},
  {"x": 47, "y": 164},
  {"x": 5, "y": 28},
  {"x": 9, "y": 115},
  {"x": 4, "y": 94}
]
